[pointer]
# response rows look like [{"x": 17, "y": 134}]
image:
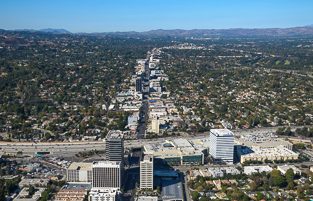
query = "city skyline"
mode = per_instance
[{"x": 98, "y": 16}]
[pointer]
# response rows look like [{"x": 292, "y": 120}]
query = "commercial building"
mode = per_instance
[
  {"x": 71, "y": 195},
  {"x": 146, "y": 172},
  {"x": 97, "y": 194},
  {"x": 265, "y": 140},
  {"x": 177, "y": 152},
  {"x": 114, "y": 146},
  {"x": 79, "y": 172},
  {"x": 263, "y": 154},
  {"x": 106, "y": 175},
  {"x": 222, "y": 145}
]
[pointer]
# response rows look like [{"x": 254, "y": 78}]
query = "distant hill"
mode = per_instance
[
  {"x": 295, "y": 31},
  {"x": 48, "y": 30},
  {"x": 55, "y": 31},
  {"x": 235, "y": 32}
]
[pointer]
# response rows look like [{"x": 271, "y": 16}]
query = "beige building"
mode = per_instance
[
  {"x": 155, "y": 125},
  {"x": 272, "y": 154},
  {"x": 79, "y": 172}
]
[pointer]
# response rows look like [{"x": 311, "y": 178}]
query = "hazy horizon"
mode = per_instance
[{"x": 139, "y": 15}]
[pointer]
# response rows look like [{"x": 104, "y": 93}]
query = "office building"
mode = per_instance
[
  {"x": 79, "y": 172},
  {"x": 222, "y": 145},
  {"x": 155, "y": 125},
  {"x": 178, "y": 151},
  {"x": 114, "y": 146},
  {"x": 146, "y": 172},
  {"x": 106, "y": 175}
]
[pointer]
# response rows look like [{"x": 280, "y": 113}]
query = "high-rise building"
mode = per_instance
[
  {"x": 138, "y": 85},
  {"x": 106, "y": 174},
  {"x": 146, "y": 172},
  {"x": 222, "y": 145},
  {"x": 155, "y": 125},
  {"x": 114, "y": 146},
  {"x": 79, "y": 172}
]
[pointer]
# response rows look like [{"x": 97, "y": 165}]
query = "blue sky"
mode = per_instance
[{"x": 142, "y": 15}]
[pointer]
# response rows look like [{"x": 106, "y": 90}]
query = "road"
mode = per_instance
[
  {"x": 67, "y": 149},
  {"x": 71, "y": 148},
  {"x": 142, "y": 127}
]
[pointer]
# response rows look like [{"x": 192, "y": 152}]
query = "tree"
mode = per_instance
[
  {"x": 2, "y": 192},
  {"x": 195, "y": 196},
  {"x": 290, "y": 175},
  {"x": 277, "y": 179},
  {"x": 31, "y": 190}
]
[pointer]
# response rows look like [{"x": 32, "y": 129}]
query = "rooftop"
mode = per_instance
[
  {"x": 106, "y": 164},
  {"x": 114, "y": 134},
  {"x": 172, "y": 190},
  {"x": 221, "y": 132},
  {"x": 80, "y": 166}
]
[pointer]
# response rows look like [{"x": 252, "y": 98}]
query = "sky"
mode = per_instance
[{"x": 144, "y": 15}]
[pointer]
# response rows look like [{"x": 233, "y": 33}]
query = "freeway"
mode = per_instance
[{"x": 72, "y": 148}]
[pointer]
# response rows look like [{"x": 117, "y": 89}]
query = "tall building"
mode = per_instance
[
  {"x": 79, "y": 172},
  {"x": 138, "y": 85},
  {"x": 155, "y": 125},
  {"x": 114, "y": 146},
  {"x": 106, "y": 175},
  {"x": 146, "y": 172},
  {"x": 222, "y": 145}
]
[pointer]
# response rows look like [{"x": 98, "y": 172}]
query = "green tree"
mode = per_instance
[
  {"x": 195, "y": 196},
  {"x": 277, "y": 179}
]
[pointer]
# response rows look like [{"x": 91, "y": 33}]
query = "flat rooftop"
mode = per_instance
[
  {"x": 106, "y": 164},
  {"x": 115, "y": 134},
  {"x": 222, "y": 132},
  {"x": 80, "y": 166}
]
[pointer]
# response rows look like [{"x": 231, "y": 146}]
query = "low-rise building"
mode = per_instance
[
  {"x": 147, "y": 198},
  {"x": 177, "y": 152},
  {"x": 222, "y": 171},
  {"x": 37, "y": 182},
  {"x": 263, "y": 154},
  {"x": 71, "y": 195},
  {"x": 283, "y": 169},
  {"x": 101, "y": 194},
  {"x": 248, "y": 170},
  {"x": 24, "y": 195}
]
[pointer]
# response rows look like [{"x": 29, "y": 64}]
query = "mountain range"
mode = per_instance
[{"x": 240, "y": 32}]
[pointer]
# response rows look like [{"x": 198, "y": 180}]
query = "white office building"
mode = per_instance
[
  {"x": 222, "y": 145},
  {"x": 146, "y": 172},
  {"x": 106, "y": 175}
]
